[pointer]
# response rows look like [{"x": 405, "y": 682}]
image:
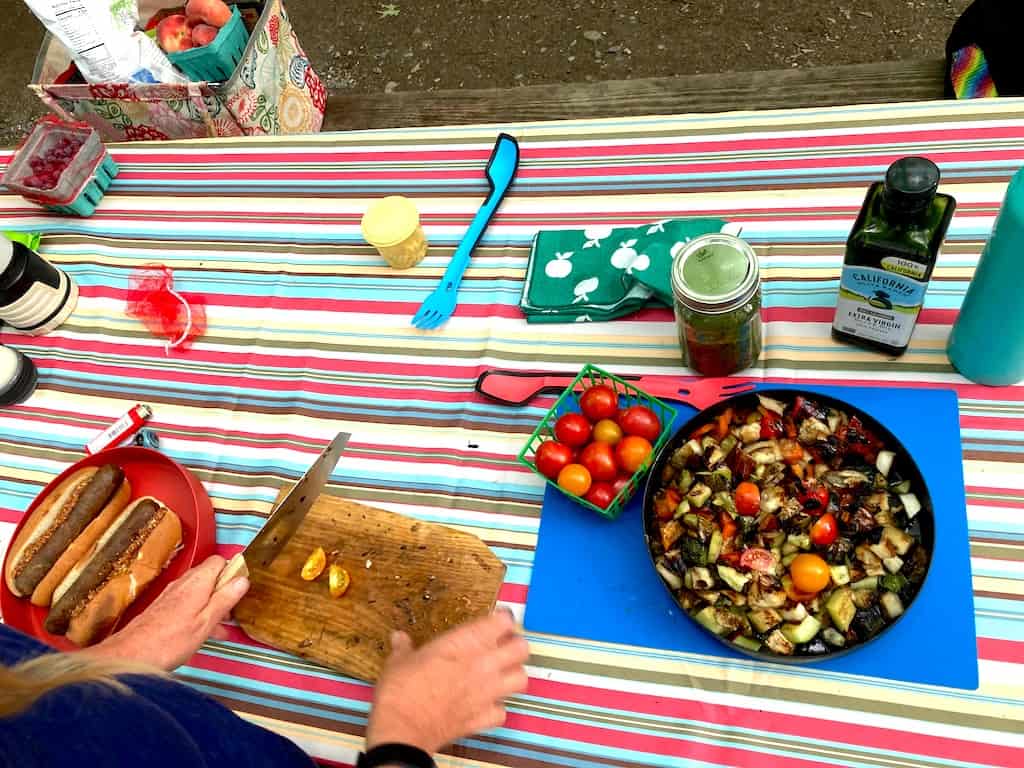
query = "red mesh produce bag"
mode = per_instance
[{"x": 165, "y": 312}]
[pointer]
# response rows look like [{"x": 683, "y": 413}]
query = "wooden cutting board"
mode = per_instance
[{"x": 414, "y": 576}]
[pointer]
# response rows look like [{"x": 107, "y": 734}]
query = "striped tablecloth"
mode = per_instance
[{"x": 309, "y": 334}]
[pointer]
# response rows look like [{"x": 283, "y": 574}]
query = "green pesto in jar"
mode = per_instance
[{"x": 717, "y": 288}]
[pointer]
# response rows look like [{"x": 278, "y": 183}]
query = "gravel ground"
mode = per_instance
[{"x": 422, "y": 45}]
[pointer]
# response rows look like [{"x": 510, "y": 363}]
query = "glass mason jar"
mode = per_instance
[{"x": 716, "y": 283}]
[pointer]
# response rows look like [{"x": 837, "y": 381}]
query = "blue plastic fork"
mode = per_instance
[{"x": 501, "y": 169}]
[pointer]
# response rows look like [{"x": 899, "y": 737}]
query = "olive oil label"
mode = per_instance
[
  {"x": 904, "y": 267},
  {"x": 878, "y": 305}
]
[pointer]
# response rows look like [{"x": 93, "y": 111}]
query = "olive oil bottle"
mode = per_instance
[{"x": 890, "y": 255}]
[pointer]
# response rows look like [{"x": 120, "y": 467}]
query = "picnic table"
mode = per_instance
[{"x": 309, "y": 334}]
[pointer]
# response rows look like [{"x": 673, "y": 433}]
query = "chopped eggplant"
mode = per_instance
[
  {"x": 764, "y": 452},
  {"x": 791, "y": 507},
  {"x": 682, "y": 510},
  {"x": 835, "y": 418},
  {"x": 841, "y": 609},
  {"x": 864, "y": 598},
  {"x": 896, "y": 540},
  {"x": 796, "y": 614},
  {"x": 670, "y": 577},
  {"x": 910, "y": 504},
  {"x": 779, "y": 643},
  {"x": 733, "y": 578},
  {"x": 871, "y": 562},
  {"x": 720, "y": 479},
  {"x": 700, "y": 578},
  {"x": 847, "y": 479},
  {"x": 840, "y": 550},
  {"x": 764, "y": 619},
  {"x": 868, "y": 622},
  {"x": 816, "y": 647},
  {"x": 671, "y": 532},
  {"x": 812, "y": 430},
  {"x": 750, "y": 433},
  {"x": 893, "y": 564},
  {"x": 771, "y": 404},
  {"x": 731, "y": 620},
  {"x": 709, "y": 596},
  {"x": 761, "y": 597},
  {"x": 884, "y": 462},
  {"x": 891, "y": 604},
  {"x": 802, "y": 632},
  {"x": 772, "y": 497},
  {"x": 916, "y": 565}
]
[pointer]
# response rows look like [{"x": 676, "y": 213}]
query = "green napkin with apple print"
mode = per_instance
[{"x": 601, "y": 273}]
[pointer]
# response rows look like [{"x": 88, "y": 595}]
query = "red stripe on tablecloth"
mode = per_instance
[
  {"x": 789, "y": 724},
  {"x": 991, "y": 422},
  {"x": 201, "y": 155},
  {"x": 995, "y": 649},
  {"x": 294, "y": 681}
]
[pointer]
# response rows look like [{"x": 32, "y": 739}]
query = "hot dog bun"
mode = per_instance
[
  {"x": 57, "y": 524},
  {"x": 128, "y": 555}
]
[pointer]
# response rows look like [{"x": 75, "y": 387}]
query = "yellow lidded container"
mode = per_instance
[{"x": 392, "y": 226}]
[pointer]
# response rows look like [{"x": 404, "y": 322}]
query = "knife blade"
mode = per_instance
[{"x": 286, "y": 516}]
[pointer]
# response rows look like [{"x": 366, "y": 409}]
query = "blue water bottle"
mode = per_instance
[{"x": 987, "y": 342}]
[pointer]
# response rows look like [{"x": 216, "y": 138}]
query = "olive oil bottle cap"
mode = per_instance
[{"x": 910, "y": 185}]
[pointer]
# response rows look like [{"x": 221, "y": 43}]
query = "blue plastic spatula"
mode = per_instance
[{"x": 501, "y": 169}]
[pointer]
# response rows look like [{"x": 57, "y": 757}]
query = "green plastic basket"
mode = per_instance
[
  {"x": 569, "y": 402},
  {"x": 215, "y": 62}
]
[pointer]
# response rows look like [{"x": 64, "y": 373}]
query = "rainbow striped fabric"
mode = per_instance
[
  {"x": 309, "y": 333},
  {"x": 970, "y": 74}
]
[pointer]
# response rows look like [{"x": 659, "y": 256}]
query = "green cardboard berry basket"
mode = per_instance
[
  {"x": 216, "y": 61},
  {"x": 569, "y": 402}
]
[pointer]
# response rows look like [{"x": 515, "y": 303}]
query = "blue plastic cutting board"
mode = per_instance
[{"x": 593, "y": 579}]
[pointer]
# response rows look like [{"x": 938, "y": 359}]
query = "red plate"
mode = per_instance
[{"x": 150, "y": 474}]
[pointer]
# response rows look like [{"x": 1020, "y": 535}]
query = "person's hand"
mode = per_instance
[
  {"x": 452, "y": 687},
  {"x": 173, "y": 627}
]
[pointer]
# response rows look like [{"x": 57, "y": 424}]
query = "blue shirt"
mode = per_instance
[{"x": 162, "y": 723}]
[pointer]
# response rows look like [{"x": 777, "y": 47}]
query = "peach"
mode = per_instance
[
  {"x": 203, "y": 34},
  {"x": 173, "y": 34},
  {"x": 213, "y": 12}
]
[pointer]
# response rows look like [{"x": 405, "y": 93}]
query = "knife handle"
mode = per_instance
[{"x": 236, "y": 567}]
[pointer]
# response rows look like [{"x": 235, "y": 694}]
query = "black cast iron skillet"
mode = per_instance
[{"x": 903, "y": 464}]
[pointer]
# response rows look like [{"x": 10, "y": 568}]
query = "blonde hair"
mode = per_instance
[{"x": 25, "y": 683}]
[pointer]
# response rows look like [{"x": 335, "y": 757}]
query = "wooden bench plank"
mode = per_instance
[{"x": 811, "y": 87}]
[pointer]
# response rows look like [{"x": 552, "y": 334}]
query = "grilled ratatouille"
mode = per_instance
[{"x": 783, "y": 527}]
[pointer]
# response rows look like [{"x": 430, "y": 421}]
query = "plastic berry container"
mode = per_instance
[
  {"x": 61, "y": 165},
  {"x": 216, "y": 61}
]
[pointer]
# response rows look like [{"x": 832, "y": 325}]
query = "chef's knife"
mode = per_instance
[{"x": 287, "y": 516}]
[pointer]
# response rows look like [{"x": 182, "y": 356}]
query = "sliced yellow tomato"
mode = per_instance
[
  {"x": 314, "y": 564},
  {"x": 338, "y": 580}
]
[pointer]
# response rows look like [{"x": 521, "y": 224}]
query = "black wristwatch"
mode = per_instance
[{"x": 403, "y": 755}]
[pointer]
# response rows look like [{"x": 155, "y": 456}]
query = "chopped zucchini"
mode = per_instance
[
  {"x": 707, "y": 617},
  {"x": 841, "y": 609},
  {"x": 698, "y": 495},
  {"x": 760, "y": 597},
  {"x": 779, "y": 643},
  {"x": 799, "y": 540},
  {"x": 764, "y": 619},
  {"x": 772, "y": 405},
  {"x": 714, "y": 455},
  {"x": 707, "y": 442},
  {"x": 764, "y": 452},
  {"x": 884, "y": 462},
  {"x": 709, "y": 596},
  {"x": 692, "y": 551},
  {"x": 840, "y": 574},
  {"x": 749, "y": 643},
  {"x": 901, "y": 487},
  {"x": 869, "y": 582},
  {"x": 894, "y": 582},
  {"x": 788, "y": 549},
  {"x": 733, "y": 578},
  {"x": 910, "y": 504},
  {"x": 891, "y": 604},
  {"x": 671, "y": 578},
  {"x": 720, "y": 479},
  {"x": 728, "y": 443},
  {"x": 802, "y": 632},
  {"x": 812, "y": 430},
  {"x": 864, "y": 598},
  {"x": 732, "y": 620},
  {"x": 685, "y": 480},
  {"x": 682, "y": 510},
  {"x": 796, "y": 614},
  {"x": 833, "y": 637},
  {"x": 715, "y": 546},
  {"x": 893, "y": 564},
  {"x": 788, "y": 559}
]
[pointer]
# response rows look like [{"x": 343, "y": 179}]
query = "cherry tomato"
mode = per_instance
[
  {"x": 824, "y": 531},
  {"x": 641, "y": 421},
  {"x": 631, "y": 452},
  {"x": 575, "y": 479},
  {"x": 748, "y": 499},
  {"x": 756, "y": 559},
  {"x": 771, "y": 426},
  {"x": 599, "y": 461},
  {"x": 619, "y": 483},
  {"x": 573, "y": 429},
  {"x": 551, "y": 456},
  {"x": 795, "y": 594},
  {"x": 792, "y": 451},
  {"x": 731, "y": 559},
  {"x": 810, "y": 573},
  {"x": 600, "y": 494},
  {"x": 607, "y": 431},
  {"x": 814, "y": 497},
  {"x": 599, "y": 402}
]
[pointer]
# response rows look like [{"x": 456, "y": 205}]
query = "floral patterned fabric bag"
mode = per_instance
[{"x": 273, "y": 90}]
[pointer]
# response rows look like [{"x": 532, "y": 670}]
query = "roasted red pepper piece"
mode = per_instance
[{"x": 771, "y": 426}]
